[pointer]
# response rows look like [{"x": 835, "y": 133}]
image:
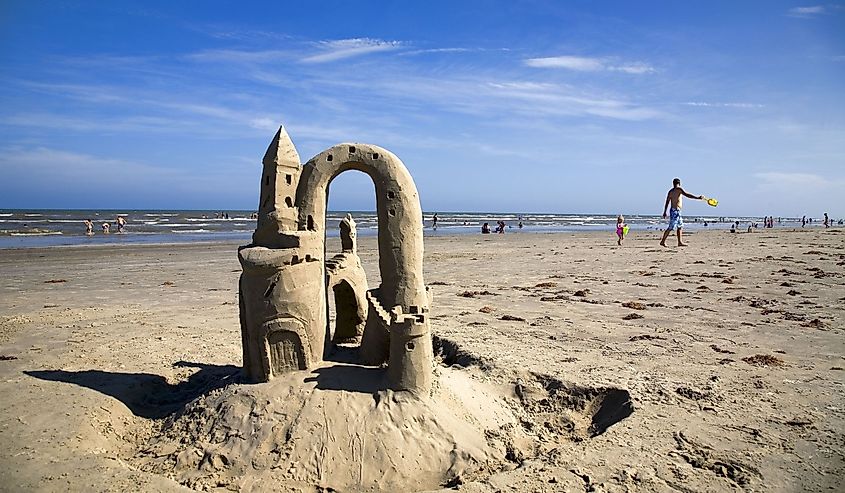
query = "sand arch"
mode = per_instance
[
  {"x": 286, "y": 274},
  {"x": 397, "y": 206}
]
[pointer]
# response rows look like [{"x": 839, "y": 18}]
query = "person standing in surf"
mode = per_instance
[{"x": 674, "y": 198}]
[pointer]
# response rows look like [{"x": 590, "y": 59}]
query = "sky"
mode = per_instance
[{"x": 519, "y": 106}]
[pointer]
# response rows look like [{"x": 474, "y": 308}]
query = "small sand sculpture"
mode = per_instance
[
  {"x": 348, "y": 281},
  {"x": 283, "y": 301}
]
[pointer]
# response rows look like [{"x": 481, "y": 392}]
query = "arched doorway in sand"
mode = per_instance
[
  {"x": 402, "y": 293},
  {"x": 346, "y": 288}
]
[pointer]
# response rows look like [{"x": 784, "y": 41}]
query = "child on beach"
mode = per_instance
[
  {"x": 620, "y": 229},
  {"x": 89, "y": 227}
]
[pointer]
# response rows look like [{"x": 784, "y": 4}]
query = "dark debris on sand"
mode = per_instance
[
  {"x": 473, "y": 294},
  {"x": 764, "y": 360},
  {"x": 634, "y": 305}
]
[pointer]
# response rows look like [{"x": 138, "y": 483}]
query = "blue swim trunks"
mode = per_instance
[{"x": 675, "y": 221}]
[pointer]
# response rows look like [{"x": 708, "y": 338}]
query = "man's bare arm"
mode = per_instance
[
  {"x": 685, "y": 194},
  {"x": 666, "y": 205}
]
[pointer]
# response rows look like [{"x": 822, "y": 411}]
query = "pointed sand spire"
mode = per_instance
[
  {"x": 281, "y": 151},
  {"x": 280, "y": 177}
]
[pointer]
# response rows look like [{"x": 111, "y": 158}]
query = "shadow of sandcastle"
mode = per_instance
[{"x": 147, "y": 395}]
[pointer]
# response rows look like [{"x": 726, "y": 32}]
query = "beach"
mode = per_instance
[{"x": 730, "y": 351}]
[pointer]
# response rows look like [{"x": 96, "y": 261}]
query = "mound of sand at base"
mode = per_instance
[{"x": 332, "y": 427}]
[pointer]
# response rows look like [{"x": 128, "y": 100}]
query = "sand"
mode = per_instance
[{"x": 584, "y": 366}]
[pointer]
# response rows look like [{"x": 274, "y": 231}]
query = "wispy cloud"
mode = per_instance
[
  {"x": 704, "y": 104},
  {"x": 242, "y": 34},
  {"x": 483, "y": 95},
  {"x": 140, "y": 109},
  {"x": 32, "y": 165},
  {"x": 554, "y": 99},
  {"x": 795, "y": 181},
  {"x": 101, "y": 125},
  {"x": 589, "y": 64},
  {"x": 240, "y": 56},
  {"x": 347, "y": 48},
  {"x": 73, "y": 167},
  {"x": 807, "y": 12},
  {"x": 436, "y": 50}
]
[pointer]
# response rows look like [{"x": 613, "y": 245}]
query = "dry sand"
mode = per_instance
[{"x": 587, "y": 367}]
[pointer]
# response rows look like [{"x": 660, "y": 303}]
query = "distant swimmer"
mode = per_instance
[
  {"x": 676, "y": 222},
  {"x": 105, "y": 228},
  {"x": 89, "y": 227},
  {"x": 434, "y": 221},
  {"x": 121, "y": 224}
]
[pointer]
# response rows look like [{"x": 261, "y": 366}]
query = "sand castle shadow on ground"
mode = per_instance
[{"x": 147, "y": 395}]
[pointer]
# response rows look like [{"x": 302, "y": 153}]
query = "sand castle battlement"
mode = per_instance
[{"x": 283, "y": 298}]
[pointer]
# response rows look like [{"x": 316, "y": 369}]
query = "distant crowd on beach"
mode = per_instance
[
  {"x": 622, "y": 228},
  {"x": 225, "y": 215},
  {"x": 769, "y": 222},
  {"x": 120, "y": 226},
  {"x": 485, "y": 228},
  {"x": 500, "y": 227}
]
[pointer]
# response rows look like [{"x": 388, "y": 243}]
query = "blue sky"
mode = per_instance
[{"x": 545, "y": 106}]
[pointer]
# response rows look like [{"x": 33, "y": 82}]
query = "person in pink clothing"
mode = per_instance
[{"x": 620, "y": 229}]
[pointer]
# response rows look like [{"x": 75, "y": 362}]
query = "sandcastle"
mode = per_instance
[{"x": 283, "y": 288}]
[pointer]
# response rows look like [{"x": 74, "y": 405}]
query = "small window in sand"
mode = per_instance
[
  {"x": 329, "y": 157},
  {"x": 289, "y": 179},
  {"x": 289, "y": 201},
  {"x": 311, "y": 222},
  {"x": 392, "y": 212},
  {"x": 375, "y": 155},
  {"x": 351, "y": 149},
  {"x": 391, "y": 195},
  {"x": 409, "y": 346}
]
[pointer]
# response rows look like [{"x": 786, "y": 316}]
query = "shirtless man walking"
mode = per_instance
[{"x": 674, "y": 197}]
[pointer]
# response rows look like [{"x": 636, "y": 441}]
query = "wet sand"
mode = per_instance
[{"x": 731, "y": 350}]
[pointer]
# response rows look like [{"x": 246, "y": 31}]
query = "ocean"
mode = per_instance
[{"x": 44, "y": 228}]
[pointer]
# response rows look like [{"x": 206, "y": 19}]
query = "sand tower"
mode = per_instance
[{"x": 283, "y": 298}]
